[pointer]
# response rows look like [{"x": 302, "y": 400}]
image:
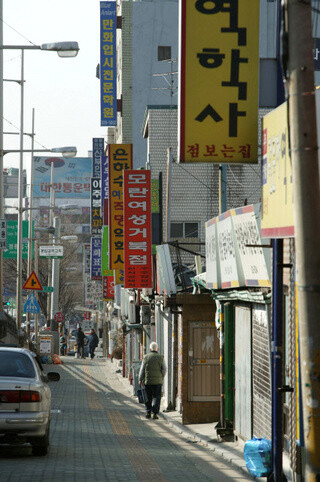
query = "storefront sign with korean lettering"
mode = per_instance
[
  {"x": 108, "y": 63},
  {"x": 104, "y": 180},
  {"x": 137, "y": 229},
  {"x": 219, "y": 57},
  {"x": 96, "y": 219},
  {"x": 96, "y": 244},
  {"x": 108, "y": 288},
  {"x": 86, "y": 258},
  {"x": 97, "y": 153},
  {"x": 120, "y": 159},
  {"x": 105, "y": 271}
]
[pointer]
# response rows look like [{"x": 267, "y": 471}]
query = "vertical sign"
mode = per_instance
[
  {"x": 96, "y": 220},
  {"x": 105, "y": 271},
  {"x": 137, "y": 229},
  {"x": 96, "y": 243},
  {"x": 120, "y": 159},
  {"x": 97, "y": 153},
  {"x": 213, "y": 280},
  {"x": 104, "y": 181},
  {"x": 108, "y": 63},
  {"x": 86, "y": 258},
  {"x": 219, "y": 60},
  {"x": 108, "y": 288},
  {"x": 3, "y": 234}
]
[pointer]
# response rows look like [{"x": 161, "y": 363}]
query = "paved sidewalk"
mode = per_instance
[
  {"x": 205, "y": 435},
  {"x": 99, "y": 433}
]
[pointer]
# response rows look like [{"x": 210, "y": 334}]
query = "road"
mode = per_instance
[{"x": 100, "y": 433}]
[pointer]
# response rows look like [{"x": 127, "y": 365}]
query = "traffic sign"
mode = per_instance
[
  {"x": 31, "y": 305},
  {"x": 51, "y": 252},
  {"x": 32, "y": 283},
  {"x": 48, "y": 289},
  {"x": 59, "y": 316}
]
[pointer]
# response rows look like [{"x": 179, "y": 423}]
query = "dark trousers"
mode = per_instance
[
  {"x": 81, "y": 350},
  {"x": 91, "y": 350},
  {"x": 154, "y": 395}
]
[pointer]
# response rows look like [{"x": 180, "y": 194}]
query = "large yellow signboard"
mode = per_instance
[
  {"x": 219, "y": 64},
  {"x": 277, "y": 193}
]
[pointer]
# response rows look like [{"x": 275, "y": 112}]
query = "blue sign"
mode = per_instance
[
  {"x": 104, "y": 179},
  {"x": 71, "y": 177},
  {"x": 97, "y": 153},
  {"x": 31, "y": 305},
  {"x": 96, "y": 252},
  {"x": 108, "y": 63}
]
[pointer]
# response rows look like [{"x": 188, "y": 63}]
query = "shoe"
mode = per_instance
[
  {"x": 148, "y": 415},
  {"x": 155, "y": 416}
]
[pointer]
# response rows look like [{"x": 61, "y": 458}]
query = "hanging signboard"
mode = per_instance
[
  {"x": 108, "y": 288},
  {"x": 250, "y": 259},
  {"x": 97, "y": 153},
  {"x": 12, "y": 240},
  {"x": 3, "y": 234},
  {"x": 165, "y": 276},
  {"x": 105, "y": 271},
  {"x": 96, "y": 243},
  {"x": 213, "y": 280},
  {"x": 137, "y": 229},
  {"x": 120, "y": 159},
  {"x": 227, "y": 253},
  {"x": 104, "y": 180},
  {"x": 118, "y": 276},
  {"x": 86, "y": 258},
  {"x": 96, "y": 220},
  {"x": 219, "y": 64},
  {"x": 92, "y": 291},
  {"x": 277, "y": 193},
  {"x": 108, "y": 63}
]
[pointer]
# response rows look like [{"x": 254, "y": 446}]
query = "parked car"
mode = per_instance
[{"x": 25, "y": 399}]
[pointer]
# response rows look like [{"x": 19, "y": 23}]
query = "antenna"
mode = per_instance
[{"x": 173, "y": 89}]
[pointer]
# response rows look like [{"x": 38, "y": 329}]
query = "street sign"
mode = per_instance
[
  {"x": 59, "y": 316},
  {"x": 48, "y": 289},
  {"x": 3, "y": 234},
  {"x": 31, "y": 305},
  {"x": 32, "y": 283},
  {"x": 51, "y": 252}
]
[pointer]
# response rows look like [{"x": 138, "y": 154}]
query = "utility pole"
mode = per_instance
[{"x": 304, "y": 155}]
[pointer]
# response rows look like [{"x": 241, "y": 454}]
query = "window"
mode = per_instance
[
  {"x": 184, "y": 230},
  {"x": 13, "y": 364},
  {"x": 164, "y": 53}
]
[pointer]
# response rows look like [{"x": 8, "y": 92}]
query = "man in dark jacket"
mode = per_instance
[
  {"x": 151, "y": 375},
  {"x": 80, "y": 342},
  {"x": 93, "y": 342}
]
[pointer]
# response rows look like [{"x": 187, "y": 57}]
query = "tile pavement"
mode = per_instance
[{"x": 99, "y": 433}]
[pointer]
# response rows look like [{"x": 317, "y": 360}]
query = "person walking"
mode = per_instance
[
  {"x": 80, "y": 342},
  {"x": 93, "y": 342},
  {"x": 151, "y": 375}
]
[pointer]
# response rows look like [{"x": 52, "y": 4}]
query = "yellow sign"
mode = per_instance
[
  {"x": 277, "y": 194},
  {"x": 120, "y": 158},
  {"x": 218, "y": 109},
  {"x": 32, "y": 283}
]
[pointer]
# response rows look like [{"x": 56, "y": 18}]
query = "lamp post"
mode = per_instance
[{"x": 64, "y": 49}]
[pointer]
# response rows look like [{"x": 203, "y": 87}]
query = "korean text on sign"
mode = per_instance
[
  {"x": 137, "y": 229},
  {"x": 120, "y": 159},
  {"x": 108, "y": 63},
  {"x": 218, "y": 108}
]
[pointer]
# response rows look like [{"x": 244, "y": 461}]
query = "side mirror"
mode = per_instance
[{"x": 53, "y": 376}]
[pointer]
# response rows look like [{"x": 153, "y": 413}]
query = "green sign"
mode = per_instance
[
  {"x": 47, "y": 289},
  {"x": 12, "y": 240},
  {"x": 105, "y": 271}
]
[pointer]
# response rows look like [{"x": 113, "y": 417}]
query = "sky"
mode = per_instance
[{"x": 63, "y": 91}]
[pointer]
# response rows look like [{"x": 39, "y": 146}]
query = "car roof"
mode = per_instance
[{"x": 17, "y": 350}]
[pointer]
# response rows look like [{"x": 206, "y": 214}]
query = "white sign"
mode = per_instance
[
  {"x": 93, "y": 290},
  {"x": 51, "y": 252},
  {"x": 251, "y": 261},
  {"x": 213, "y": 280},
  {"x": 165, "y": 275},
  {"x": 3, "y": 234},
  {"x": 227, "y": 252},
  {"x": 45, "y": 344}
]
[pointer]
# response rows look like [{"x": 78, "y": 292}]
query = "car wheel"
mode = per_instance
[{"x": 40, "y": 445}]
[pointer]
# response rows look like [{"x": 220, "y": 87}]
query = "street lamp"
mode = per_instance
[{"x": 64, "y": 49}]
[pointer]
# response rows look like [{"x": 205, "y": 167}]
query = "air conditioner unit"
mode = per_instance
[{"x": 132, "y": 309}]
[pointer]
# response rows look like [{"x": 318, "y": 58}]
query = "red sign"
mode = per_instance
[
  {"x": 137, "y": 229},
  {"x": 108, "y": 288},
  {"x": 87, "y": 315},
  {"x": 59, "y": 316}
]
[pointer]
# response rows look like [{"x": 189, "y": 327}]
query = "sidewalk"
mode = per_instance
[{"x": 204, "y": 434}]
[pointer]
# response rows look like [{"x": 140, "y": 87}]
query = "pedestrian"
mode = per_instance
[
  {"x": 151, "y": 375},
  {"x": 80, "y": 342},
  {"x": 93, "y": 342}
]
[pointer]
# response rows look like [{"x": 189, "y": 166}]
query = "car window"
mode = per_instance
[{"x": 13, "y": 364}]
